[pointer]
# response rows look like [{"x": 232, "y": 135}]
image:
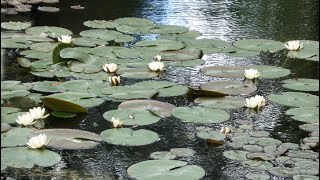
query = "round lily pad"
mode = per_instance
[
  {"x": 104, "y": 34},
  {"x": 162, "y": 109},
  {"x": 5, "y": 127},
  {"x": 236, "y": 155},
  {"x": 48, "y": 9},
  {"x": 312, "y": 127},
  {"x": 23, "y": 157},
  {"x": 257, "y": 165},
  {"x": 260, "y": 156},
  {"x": 69, "y": 138},
  {"x": 302, "y": 84},
  {"x": 228, "y": 88},
  {"x": 11, "y": 25},
  {"x": 14, "y": 93},
  {"x": 215, "y": 135},
  {"x": 296, "y": 99},
  {"x": 165, "y": 169},
  {"x": 168, "y": 29},
  {"x": 264, "y": 45},
  {"x": 50, "y": 31},
  {"x": 162, "y": 155},
  {"x": 284, "y": 171},
  {"x": 200, "y": 115},
  {"x": 15, "y": 137},
  {"x": 62, "y": 114},
  {"x": 237, "y": 52},
  {"x": 304, "y": 114},
  {"x": 132, "y": 116},
  {"x": 227, "y": 102},
  {"x": 129, "y": 137},
  {"x": 43, "y": 47},
  {"x": 134, "y": 22},
  {"x": 184, "y": 54},
  {"x": 11, "y": 117},
  {"x": 253, "y": 148},
  {"x": 88, "y": 42},
  {"x": 305, "y": 177},
  {"x": 257, "y": 176},
  {"x": 182, "y": 152},
  {"x": 101, "y": 24},
  {"x": 161, "y": 45}
]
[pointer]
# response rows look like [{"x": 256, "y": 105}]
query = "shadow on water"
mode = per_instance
[{"x": 228, "y": 20}]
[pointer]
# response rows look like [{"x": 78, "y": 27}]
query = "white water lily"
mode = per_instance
[
  {"x": 255, "y": 102},
  {"x": 157, "y": 58},
  {"x": 114, "y": 80},
  {"x": 156, "y": 66},
  {"x": 110, "y": 67},
  {"x": 116, "y": 123},
  {"x": 251, "y": 73},
  {"x": 294, "y": 45},
  {"x": 38, "y": 113},
  {"x": 25, "y": 119},
  {"x": 225, "y": 130},
  {"x": 65, "y": 39},
  {"x": 37, "y": 142}
]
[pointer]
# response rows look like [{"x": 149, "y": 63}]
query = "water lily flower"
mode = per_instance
[
  {"x": 38, "y": 113},
  {"x": 255, "y": 102},
  {"x": 114, "y": 80},
  {"x": 251, "y": 73},
  {"x": 38, "y": 142},
  {"x": 156, "y": 66},
  {"x": 294, "y": 45},
  {"x": 25, "y": 119},
  {"x": 110, "y": 67},
  {"x": 116, "y": 123},
  {"x": 157, "y": 58},
  {"x": 65, "y": 39},
  {"x": 225, "y": 130}
]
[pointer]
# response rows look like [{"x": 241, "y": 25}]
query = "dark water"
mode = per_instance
[{"x": 228, "y": 20}]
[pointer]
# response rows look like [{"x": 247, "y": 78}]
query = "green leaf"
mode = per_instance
[
  {"x": 295, "y": 99},
  {"x": 56, "y": 58}
]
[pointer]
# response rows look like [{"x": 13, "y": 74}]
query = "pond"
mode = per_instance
[{"x": 273, "y": 143}]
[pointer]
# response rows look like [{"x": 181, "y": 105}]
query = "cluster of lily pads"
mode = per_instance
[{"x": 83, "y": 71}]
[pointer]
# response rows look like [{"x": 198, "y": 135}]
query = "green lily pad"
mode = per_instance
[
  {"x": 237, "y": 52},
  {"x": 123, "y": 38},
  {"x": 303, "y": 154},
  {"x": 304, "y": 114},
  {"x": 14, "y": 93},
  {"x": 104, "y": 34},
  {"x": 295, "y": 99},
  {"x": 228, "y": 88},
  {"x": 162, "y": 109},
  {"x": 260, "y": 156},
  {"x": 165, "y": 169},
  {"x": 168, "y": 29},
  {"x": 257, "y": 176},
  {"x": 89, "y": 42},
  {"x": 5, "y": 127},
  {"x": 101, "y": 24},
  {"x": 134, "y": 22},
  {"x": 79, "y": 55},
  {"x": 284, "y": 171},
  {"x": 15, "y": 137},
  {"x": 182, "y": 152},
  {"x": 51, "y": 31},
  {"x": 134, "y": 30},
  {"x": 14, "y": 43},
  {"x": 162, "y": 155},
  {"x": 69, "y": 138},
  {"x": 161, "y": 45},
  {"x": 47, "y": 86},
  {"x": 10, "y": 118},
  {"x": 48, "y": 9},
  {"x": 63, "y": 105},
  {"x": 263, "y": 45},
  {"x": 207, "y": 44},
  {"x": 62, "y": 114},
  {"x": 253, "y": 148},
  {"x": 23, "y": 157},
  {"x": 129, "y": 137},
  {"x": 264, "y": 141},
  {"x": 24, "y": 62},
  {"x": 257, "y": 165},
  {"x": 11, "y": 25},
  {"x": 305, "y": 177},
  {"x": 213, "y": 137},
  {"x": 236, "y": 155},
  {"x": 132, "y": 116},
  {"x": 302, "y": 84},
  {"x": 200, "y": 115},
  {"x": 312, "y": 127},
  {"x": 227, "y": 102},
  {"x": 268, "y": 72}
]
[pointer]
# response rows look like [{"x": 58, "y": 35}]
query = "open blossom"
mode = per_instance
[
  {"x": 157, "y": 58},
  {"x": 225, "y": 130},
  {"x": 38, "y": 113},
  {"x": 110, "y": 68},
  {"x": 65, "y": 39},
  {"x": 25, "y": 119},
  {"x": 38, "y": 141},
  {"x": 255, "y": 102},
  {"x": 251, "y": 73},
  {"x": 294, "y": 45},
  {"x": 156, "y": 66},
  {"x": 114, "y": 80},
  {"x": 116, "y": 123}
]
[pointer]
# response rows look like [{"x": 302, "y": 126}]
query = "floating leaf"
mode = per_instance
[
  {"x": 305, "y": 114},
  {"x": 168, "y": 29},
  {"x": 62, "y": 114},
  {"x": 264, "y": 45},
  {"x": 62, "y": 105},
  {"x": 104, "y": 34},
  {"x": 161, "y": 45},
  {"x": 261, "y": 156},
  {"x": 72, "y": 53},
  {"x": 48, "y": 9},
  {"x": 15, "y": 137},
  {"x": 5, "y": 127},
  {"x": 237, "y": 52},
  {"x": 101, "y": 24},
  {"x": 89, "y": 42},
  {"x": 132, "y": 116},
  {"x": 182, "y": 152},
  {"x": 228, "y": 88},
  {"x": 200, "y": 115},
  {"x": 284, "y": 171},
  {"x": 305, "y": 177},
  {"x": 296, "y": 99},
  {"x": 14, "y": 93},
  {"x": 11, "y": 25},
  {"x": 302, "y": 84},
  {"x": 129, "y": 137},
  {"x": 181, "y": 55},
  {"x": 165, "y": 169},
  {"x": 257, "y": 165},
  {"x": 69, "y": 138},
  {"x": 227, "y": 102},
  {"x": 236, "y": 155},
  {"x": 161, "y": 108},
  {"x": 162, "y": 155},
  {"x": 313, "y": 127},
  {"x": 50, "y": 31},
  {"x": 134, "y": 22},
  {"x": 257, "y": 176}
]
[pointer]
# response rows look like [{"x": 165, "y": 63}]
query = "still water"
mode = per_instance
[{"x": 228, "y": 20}]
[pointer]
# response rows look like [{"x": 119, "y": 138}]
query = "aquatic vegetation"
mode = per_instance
[
  {"x": 255, "y": 102},
  {"x": 116, "y": 122},
  {"x": 65, "y": 39},
  {"x": 38, "y": 142},
  {"x": 114, "y": 80},
  {"x": 251, "y": 74},
  {"x": 25, "y": 119},
  {"x": 156, "y": 66},
  {"x": 110, "y": 68},
  {"x": 38, "y": 113},
  {"x": 294, "y": 45}
]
